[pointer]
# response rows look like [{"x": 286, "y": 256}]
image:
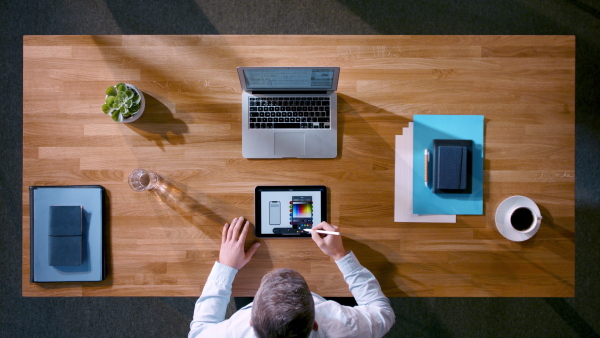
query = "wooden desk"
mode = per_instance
[{"x": 191, "y": 135}]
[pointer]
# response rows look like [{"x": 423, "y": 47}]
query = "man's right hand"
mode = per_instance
[{"x": 331, "y": 245}]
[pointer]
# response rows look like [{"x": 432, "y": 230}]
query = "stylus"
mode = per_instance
[
  {"x": 325, "y": 232},
  {"x": 426, "y": 173}
]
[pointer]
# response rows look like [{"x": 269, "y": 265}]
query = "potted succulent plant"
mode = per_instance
[{"x": 124, "y": 103}]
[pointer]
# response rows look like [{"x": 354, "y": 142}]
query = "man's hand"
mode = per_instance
[
  {"x": 232, "y": 244},
  {"x": 331, "y": 245}
]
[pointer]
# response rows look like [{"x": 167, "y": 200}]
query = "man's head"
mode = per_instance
[{"x": 283, "y": 306}]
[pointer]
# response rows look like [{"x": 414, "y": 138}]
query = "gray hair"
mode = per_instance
[{"x": 283, "y": 306}]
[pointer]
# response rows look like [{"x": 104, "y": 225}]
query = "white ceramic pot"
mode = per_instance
[{"x": 142, "y": 104}]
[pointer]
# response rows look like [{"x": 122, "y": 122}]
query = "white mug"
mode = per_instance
[{"x": 523, "y": 219}]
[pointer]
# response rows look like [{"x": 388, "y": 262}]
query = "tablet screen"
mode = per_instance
[{"x": 283, "y": 211}]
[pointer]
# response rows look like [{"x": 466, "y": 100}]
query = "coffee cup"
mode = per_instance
[
  {"x": 518, "y": 218},
  {"x": 523, "y": 219}
]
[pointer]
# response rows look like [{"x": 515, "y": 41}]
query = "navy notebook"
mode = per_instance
[
  {"x": 65, "y": 235},
  {"x": 452, "y": 166}
]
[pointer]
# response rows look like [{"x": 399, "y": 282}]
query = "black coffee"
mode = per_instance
[{"x": 521, "y": 219}]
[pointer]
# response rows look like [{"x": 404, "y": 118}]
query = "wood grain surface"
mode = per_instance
[{"x": 165, "y": 244}]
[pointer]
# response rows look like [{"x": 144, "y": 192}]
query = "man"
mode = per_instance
[{"x": 283, "y": 305}]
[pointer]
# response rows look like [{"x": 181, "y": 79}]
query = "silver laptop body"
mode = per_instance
[{"x": 289, "y": 112}]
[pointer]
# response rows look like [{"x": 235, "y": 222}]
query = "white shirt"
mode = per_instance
[{"x": 372, "y": 317}]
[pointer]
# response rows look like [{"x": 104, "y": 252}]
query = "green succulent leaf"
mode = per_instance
[
  {"x": 111, "y": 91},
  {"x": 105, "y": 108},
  {"x": 121, "y": 87},
  {"x": 134, "y": 108},
  {"x": 115, "y": 116},
  {"x": 110, "y": 100}
]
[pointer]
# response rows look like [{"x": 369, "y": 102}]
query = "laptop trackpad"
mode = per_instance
[{"x": 289, "y": 144}]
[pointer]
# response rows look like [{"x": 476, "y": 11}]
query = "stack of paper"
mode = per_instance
[{"x": 403, "y": 195}]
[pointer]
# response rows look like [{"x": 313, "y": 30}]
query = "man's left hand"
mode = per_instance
[{"x": 232, "y": 244}]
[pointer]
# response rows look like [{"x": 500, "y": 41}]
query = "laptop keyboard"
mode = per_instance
[{"x": 289, "y": 112}]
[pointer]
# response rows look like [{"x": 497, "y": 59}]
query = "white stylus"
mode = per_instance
[
  {"x": 325, "y": 232},
  {"x": 426, "y": 164}
]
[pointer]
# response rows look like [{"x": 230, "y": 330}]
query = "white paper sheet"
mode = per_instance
[{"x": 404, "y": 186}]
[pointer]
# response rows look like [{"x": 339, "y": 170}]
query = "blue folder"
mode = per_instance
[
  {"x": 447, "y": 127},
  {"x": 93, "y": 265}
]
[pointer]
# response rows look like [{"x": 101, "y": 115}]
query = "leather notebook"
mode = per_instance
[
  {"x": 65, "y": 235},
  {"x": 452, "y": 166}
]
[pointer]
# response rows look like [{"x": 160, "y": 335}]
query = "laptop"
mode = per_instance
[{"x": 289, "y": 112}]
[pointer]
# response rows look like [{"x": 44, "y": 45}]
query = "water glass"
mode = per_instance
[{"x": 142, "y": 179}]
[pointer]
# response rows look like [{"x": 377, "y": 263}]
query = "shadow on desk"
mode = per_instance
[
  {"x": 363, "y": 127},
  {"x": 188, "y": 208},
  {"x": 378, "y": 264},
  {"x": 158, "y": 124}
]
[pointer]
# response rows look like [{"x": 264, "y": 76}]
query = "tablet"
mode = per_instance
[{"x": 285, "y": 211}]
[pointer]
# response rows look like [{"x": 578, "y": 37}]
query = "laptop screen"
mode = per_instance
[{"x": 283, "y": 78}]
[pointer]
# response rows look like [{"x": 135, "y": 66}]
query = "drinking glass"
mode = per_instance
[{"x": 142, "y": 180}]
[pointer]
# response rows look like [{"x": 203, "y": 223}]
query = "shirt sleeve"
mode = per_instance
[
  {"x": 373, "y": 316},
  {"x": 210, "y": 308}
]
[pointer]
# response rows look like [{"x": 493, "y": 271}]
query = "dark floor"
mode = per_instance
[{"x": 166, "y": 317}]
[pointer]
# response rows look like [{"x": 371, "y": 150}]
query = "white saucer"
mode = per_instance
[{"x": 506, "y": 229}]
